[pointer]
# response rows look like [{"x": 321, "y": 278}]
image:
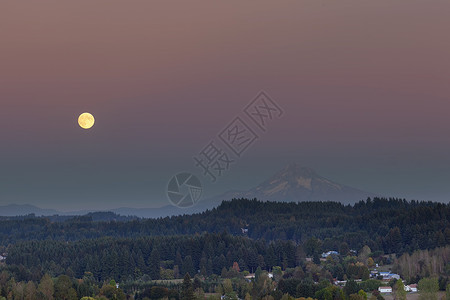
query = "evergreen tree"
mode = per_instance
[
  {"x": 154, "y": 264},
  {"x": 187, "y": 291},
  {"x": 316, "y": 258},
  {"x": 351, "y": 287},
  {"x": 258, "y": 273},
  {"x": 188, "y": 265}
]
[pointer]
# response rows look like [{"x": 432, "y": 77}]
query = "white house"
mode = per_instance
[
  {"x": 412, "y": 287},
  {"x": 251, "y": 276},
  {"x": 340, "y": 282},
  {"x": 385, "y": 289},
  {"x": 2, "y": 258}
]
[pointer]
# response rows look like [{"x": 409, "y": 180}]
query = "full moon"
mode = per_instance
[{"x": 86, "y": 120}]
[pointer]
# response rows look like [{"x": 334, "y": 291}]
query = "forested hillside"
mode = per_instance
[
  {"x": 239, "y": 237},
  {"x": 124, "y": 258},
  {"x": 392, "y": 226}
]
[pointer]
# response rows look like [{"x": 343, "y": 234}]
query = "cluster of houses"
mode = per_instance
[
  {"x": 387, "y": 276},
  {"x": 388, "y": 289},
  {"x": 382, "y": 289},
  {"x": 384, "y": 276}
]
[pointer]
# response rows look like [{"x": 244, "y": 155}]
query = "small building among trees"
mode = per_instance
[{"x": 385, "y": 289}]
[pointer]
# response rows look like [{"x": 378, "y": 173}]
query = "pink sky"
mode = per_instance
[{"x": 365, "y": 86}]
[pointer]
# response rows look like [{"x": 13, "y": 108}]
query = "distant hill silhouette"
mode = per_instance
[
  {"x": 293, "y": 183},
  {"x": 25, "y": 209}
]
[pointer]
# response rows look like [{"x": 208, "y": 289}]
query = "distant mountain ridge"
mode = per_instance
[
  {"x": 12, "y": 210},
  {"x": 296, "y": 183},
  {"x": 293, "y": 183}
]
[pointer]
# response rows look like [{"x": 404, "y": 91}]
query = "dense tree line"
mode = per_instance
[
  {"x": 170, "y": 257},
  {"x": 388, "y": 225},
  {"x": 157, "y": 257}
]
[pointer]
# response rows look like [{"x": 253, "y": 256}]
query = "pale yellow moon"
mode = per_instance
[{"x": 86, "y": 120}]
